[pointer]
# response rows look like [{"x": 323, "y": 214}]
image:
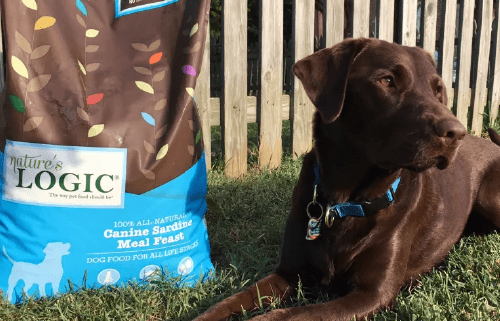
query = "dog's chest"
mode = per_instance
[{"x": 320, "y": 257}]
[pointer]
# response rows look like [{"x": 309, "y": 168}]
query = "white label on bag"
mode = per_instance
[{"x": 67, "y": 176}]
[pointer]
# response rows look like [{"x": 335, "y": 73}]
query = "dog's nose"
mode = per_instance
[{"x": 451, "y": 129}]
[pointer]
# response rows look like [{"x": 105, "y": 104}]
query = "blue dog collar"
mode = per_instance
[
  {"x": 358, "y": 209},
  {"x": 363, "y": 209}
]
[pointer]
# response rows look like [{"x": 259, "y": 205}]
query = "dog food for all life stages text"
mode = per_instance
[{"x": 102, "y": 168}]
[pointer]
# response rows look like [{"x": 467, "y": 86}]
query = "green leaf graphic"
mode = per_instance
[
  {"x": 17, "y": 103},
  {"x": 198, "y": 137}
]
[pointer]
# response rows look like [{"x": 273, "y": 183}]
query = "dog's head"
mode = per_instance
[
  {"x": 388, "y": 99},
  {"x": 57, "y": 249}
]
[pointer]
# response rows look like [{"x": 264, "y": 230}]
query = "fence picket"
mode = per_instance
[
  {"x": 234, "y": 129},
  {"x": 202, "y": 94},
  {"x": 481, "y": 92},
  {"x": 430, "y": 19},
  {"x": 449, "y": 49},
  {"x": 386, "y": 18},
  {"x": 271, "y": 83},
  {"x": 303, "y": 109},
  {"x": 409, "y": 23},
  {"x": 361, "y": 19},
  {"x": 334, "y": 22},
  {"x": 495, "y": 73},
  {"x": 463, "y": 94}
]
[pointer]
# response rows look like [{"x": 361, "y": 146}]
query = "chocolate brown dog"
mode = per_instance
[{"x": 388, "y": 189}]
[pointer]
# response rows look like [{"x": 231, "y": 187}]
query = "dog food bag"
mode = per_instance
[{"x": 102, "y": 166}]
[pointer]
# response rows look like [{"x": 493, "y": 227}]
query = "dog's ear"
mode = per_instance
[{"x": 324, "y": 76}]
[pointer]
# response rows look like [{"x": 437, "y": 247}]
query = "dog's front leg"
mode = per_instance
[
  {"x": 263, "y": 291},
  {"x": 359, "y": 304}
]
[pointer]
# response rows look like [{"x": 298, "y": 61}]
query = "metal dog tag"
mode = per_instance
[{"x": 313, "y": 229}]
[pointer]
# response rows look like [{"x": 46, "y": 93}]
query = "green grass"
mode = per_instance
[{"x": 245, "y": 221}]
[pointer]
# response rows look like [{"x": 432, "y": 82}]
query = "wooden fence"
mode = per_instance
[{"x": 462, "y": 35}]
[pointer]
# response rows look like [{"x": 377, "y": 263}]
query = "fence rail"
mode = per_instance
[{"x": 462, "y": 35}]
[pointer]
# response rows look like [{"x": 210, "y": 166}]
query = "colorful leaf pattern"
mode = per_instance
[
  {"x": 148, "y": 147},
  {"x": 163, "y": 151},
  {"x": 95, "y": 130},
  {"x": 81, "y": 7},
  {"x": 159, "y": 76},
  {"x": 30, "y": 4},
  {"x": 189, "y": 70},
  {"x": 44, "y": 22},
  {"x": 17, "y": 103},
  {"x": 23, "y": 43},
  {"x": 91, "y": 48},
  {"x": 40, "y": 52},
  {"x": 140, "y": 47},
  {"x": 193, "y": 30},
  {"x": 155, "y": 58},
  {"x": 93, "y": 67},
  {"x": 154, "y": 45},
  {"x": 148, "y": 118},
  {"x": 38, "y": 83},
  {"x": 82, "y": 68},
  {"x": 82, "y": 114},
  {"x": 143, "y": 71},
  {"x": 32, "y": 123},
  {"x": 149, "y": 174},
  {"x": 91, "y": 33},
  {"x": 81, "y": 21},
  {"x": 144, "y": 86},
  {"x": 195, "y": 48},
  {"x": 161, "y": 132},
  {"x": 162, "y": 103},
  {"x": 94, "y": 99},
  {"x": 19, "y": 67}
]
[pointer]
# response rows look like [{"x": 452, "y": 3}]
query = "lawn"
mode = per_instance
[{"x": 245, "y": 219}]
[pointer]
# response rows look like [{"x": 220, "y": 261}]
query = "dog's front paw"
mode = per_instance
[
  {"x": 275, "y": 315},
  {"x": 291, "y": 314}
]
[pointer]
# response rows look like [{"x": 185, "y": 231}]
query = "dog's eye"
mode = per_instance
[{"x": 387, "y": 81}]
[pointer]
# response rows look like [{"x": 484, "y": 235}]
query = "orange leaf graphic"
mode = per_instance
[
  {"x": 44, "y": 22},
  {"x": 155, "y": 58},
  {"x": 94, "y": 99}
]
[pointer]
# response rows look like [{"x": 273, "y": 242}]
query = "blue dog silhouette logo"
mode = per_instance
[{"x": 49, "y": 271}]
